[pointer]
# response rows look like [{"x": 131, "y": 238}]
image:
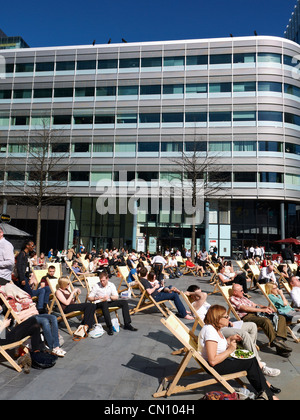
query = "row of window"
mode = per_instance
[
  {"x": 151, "y": 62},
  {"x": 146, "y": 90},
  {"x": 153, "y": 118},
  {"x": 215, "y": 177},
  {"x": 150, "y": 146}
]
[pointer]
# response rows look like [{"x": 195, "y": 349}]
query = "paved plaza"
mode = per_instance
[{"x": 128, "y": 366}]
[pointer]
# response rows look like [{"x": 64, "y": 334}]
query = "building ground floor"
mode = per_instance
[{"x": 230, "y": 225}]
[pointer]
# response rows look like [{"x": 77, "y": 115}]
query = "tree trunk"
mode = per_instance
[{"x": 38, "y": 230}]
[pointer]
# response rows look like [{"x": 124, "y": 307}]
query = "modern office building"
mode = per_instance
[
  {"x": 292, "y": 31},
  {"x": 11, "y": 42},
  {"x": 134, "y": 108}
]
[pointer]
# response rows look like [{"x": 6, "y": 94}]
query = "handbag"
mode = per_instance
[
  {"x": 80, "y": 333},
  {"x": 40, "y": 360},
  {"x": 220, "y": 396}
]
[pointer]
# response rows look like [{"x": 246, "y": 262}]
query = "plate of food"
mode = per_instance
[{"x": 242, "y": 354}]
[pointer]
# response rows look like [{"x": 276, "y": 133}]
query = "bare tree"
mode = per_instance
[
  {"x": 206, "y": 176},
  {"x": 47, "y": 167}
]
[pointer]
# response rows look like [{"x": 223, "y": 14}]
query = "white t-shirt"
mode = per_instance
[
  {"x": 295, "y": 295},
  {"x": 209, "y": 333},
  {"x": 203, "y": 310}
]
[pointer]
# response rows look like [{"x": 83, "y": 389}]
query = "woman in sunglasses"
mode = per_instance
[{"x": 217, "y": 350}]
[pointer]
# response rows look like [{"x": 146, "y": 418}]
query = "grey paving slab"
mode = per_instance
[{"x": 130, "y": 365}]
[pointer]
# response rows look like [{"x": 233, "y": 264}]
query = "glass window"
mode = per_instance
[
  {"x": 219, "y": 87},
  {"x": 58, "y": 176},
  {"x": 5, "y": 94},
  {"x": 269, "y": 58},
  {"x": 150, "y": 90},
  {"x": 291, "y": 118},
  {"x": 244, "y": 116},
  {"x": 290, "y": 61},
  {"x": 196, "y": 60},
  {"x": 86, "y": 65},
  {"x": 172, "y": 89},
  {"x": 220, "y": 116},
  {"x": 292, "y": 179},
  {"x": 274, "y": 177},
  {"x": 99, "y": 176},
  {"x": 62, "y": 119},
  {"x": 128, "y": 90},
  {"x": 79, "y": 176},
  {"x": 106, "y": 91},
  {"x": 269, "y": 116},
  {"x": 127, "y": 119},
  {"x": 81, "y": 147},
  {"x": 219, "y": 146},
  {"x": 42, "y": 93},
  {"x": 149, "y": 118},
  {"x": 244, "y": 87},
  {"x": 129, "y": 63},
  {"x": 108, "y": 64},
  {"x": 148, "y": 176},
  {"x": 65, "y": 65},
  {"x": 220, "y": 59},
  {"x": 292, "y": 148},
  {"x": 244, "y": 58},
  {"x": 103, "y": 147},
  {"x": 63, "y": 92},
  {"x": 44, "y": 66},
  {"x": 195, "y": 146},
  {"x": 292, "y": 90},
  {"x": 42, "y": 120},
  {"x": 22, "y": 93},
  {"x": 24, "y": 67},
  {"x": 171, "y": 176},
  {"x": 20, "y": 120},
  {"x": 196, "y": 88},
  {"x": 270, "y": 86},
  {"x": 17, "y": 148},
  {"x": 104, "y": 119},
  {"x": 148, "y": 147},
  {"x": 15, "y": 176},
  {"x": 244, "y": 177},
  {"x": 83, "y": 119},
  {"x": 172, "y": 117},
  {"x": 9, "y": 68},
  {"x": 270, "y": 146},
  {"x": 152, "y": 62},
  {"x": 244, "y": 146},
  {"x": 4, "y": 121},
  {"x": 219, "y": 177},
  {"x": 125, "y": 147},
  {"x": 173, "y": 61},
  {"x": 171, "y": 146},
  {"x": 60, "y": 148},
  {"x": 196, "y": 117},
  {"x": 85, "y": 91}
]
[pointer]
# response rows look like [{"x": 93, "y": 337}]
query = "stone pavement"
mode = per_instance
[{"x": 129, "y": 365}]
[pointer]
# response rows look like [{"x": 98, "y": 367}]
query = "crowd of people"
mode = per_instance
[{"x": 218, "y": 338}]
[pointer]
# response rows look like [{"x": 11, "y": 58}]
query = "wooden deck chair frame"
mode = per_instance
[
  {"x": 90, "y": 282},
  {"x": 170, "y": 385},
  {"x": 188, "y": 270},
  {"x": 225, "y": 292},
  {"x": 293, "y": 268},
  {"x": 123, "y": 270},
  {"x": 39, "y": 274},
  {"x": 6, "y": 347},
  {"x": 146, "y": 301},
  {"x": 262, "y": 288},
  {"x": 63, "y": 317},
  {"x": 255, "y": 272},
  {"x": 10, "y": 310},
  {"x": 214, "y": 281},
  {"x": 76, "y": 277}
]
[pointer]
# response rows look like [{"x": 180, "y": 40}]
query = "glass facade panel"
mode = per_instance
[
  {"x": 151, "y": 62},
  {"x": 269, "y": 58},
  {"x": 196, "y": 60},
  {"x": 65, "y": 65}
]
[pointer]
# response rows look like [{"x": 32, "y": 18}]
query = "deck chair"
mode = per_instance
[
  {"x": 262, "y": 288},
  {"x": 78, "y": 277},
  {"x": 6, "y": 347},
  {"x": 90, "y": 282},
  {"x": 39, "y": 274},
  {"x": 189, "y": 270},
  {"x": 170, "y": 385},
  {"x": 214, "y": 280},
  {"x": 226, "y": 293},
  {"x": 62, "y": 317},
  {"x": 124, "y": 272},
  {"x": 146, "y": 301},
  {"x": 255, "y": 272},
  {"x": 293, "y": 268}
]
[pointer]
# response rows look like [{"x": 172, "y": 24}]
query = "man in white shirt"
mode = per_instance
[
  {"x": 7, "y": 259},
  {"x": 104, "y": 294},
  {"x": 294, "y": 282},
  {"x": 267, "y": 275}
]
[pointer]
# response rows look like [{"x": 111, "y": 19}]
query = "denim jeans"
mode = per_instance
[
  {"x": 176, "y": 299},
  {"x": 50, "y": 329}
]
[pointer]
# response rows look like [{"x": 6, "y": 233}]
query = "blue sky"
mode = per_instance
[{"x": 77, "y": 22}]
